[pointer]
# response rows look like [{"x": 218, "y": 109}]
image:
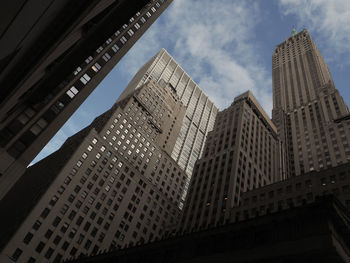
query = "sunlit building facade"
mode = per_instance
[
  {"x": 310, "y": 115},
  {"x": 200, "y": 110}
]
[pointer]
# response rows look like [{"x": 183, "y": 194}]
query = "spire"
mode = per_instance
[{"x": 294, "y": 31}]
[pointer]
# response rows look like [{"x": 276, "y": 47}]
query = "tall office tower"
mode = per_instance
[
  {"x": 310, "y": 115},
  {"x": 200, "y": 110},
  {"x": 241, "y": 154},
  {"x": 112, "y": 184},
  {"x": 53, "y": 55}
]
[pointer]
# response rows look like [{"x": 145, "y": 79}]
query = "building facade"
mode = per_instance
[
  {"x": 200, "y": 110},
  {"x": 240, "y": 154},
  {"x": 295, "y": 192},
  {"x": 303, "y": 234},
  {"x": 52, "y": 66},
  {"x": 308, "y": 111},
  {"x": 112, "y": 184}
]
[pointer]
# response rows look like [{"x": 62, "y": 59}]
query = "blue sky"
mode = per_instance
[{"x": 226, "y": 47}]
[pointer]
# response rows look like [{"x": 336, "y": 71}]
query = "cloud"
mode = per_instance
[
  {"x": 329, "y": 19},
  {"x": 214, "y": 43}
]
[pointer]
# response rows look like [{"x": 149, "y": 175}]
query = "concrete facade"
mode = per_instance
[
  {"x": 200, "y": 110},
  {"x": 112, "y": 184},
  {"x": 308, "y": 111},
  {"x": 241, "y": 153}
]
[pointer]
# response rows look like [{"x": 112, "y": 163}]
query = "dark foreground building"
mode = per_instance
[
  {"x": 313, "y": 233},
  {"x": 53, "y": 54}
]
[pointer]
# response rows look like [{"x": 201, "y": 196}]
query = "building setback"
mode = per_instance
[
  {"x": 112, "y": 184},
  {"x": 308, "y": 111},
  {"x": 240, "y": 154},
  {"x": 200, "y": 110},
  {"x": 53, "y": 63}
]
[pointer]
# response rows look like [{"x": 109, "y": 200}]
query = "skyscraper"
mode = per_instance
[
  {"x": 200, "y": 110},
  {"x": 110, "y": 185},
  {"x": 238, "y": 208},
  {"x": 308, "y": 110},
  {"x": 240, "y": 154},
  {"x": 52, "y": 64}
]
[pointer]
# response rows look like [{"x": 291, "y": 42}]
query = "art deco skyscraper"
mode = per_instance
[
  {"x": 52, "y": 57},
  {"x": 110, "y": 185},
  {"x": 240, "y": 154},
  {"x": 310, "y": 115}
]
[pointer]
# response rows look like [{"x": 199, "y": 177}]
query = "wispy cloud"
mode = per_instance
[
  {"x": 330, "y": 19},
  {"x": 214, "y": 43}
]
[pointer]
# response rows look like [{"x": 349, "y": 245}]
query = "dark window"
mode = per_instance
[
  {"x": 73, "y": 251},
  {"x": 49, "y": 253},
  {"x": 56, "y": 221},
  {"x": 57, "y": 240},
  {"x": 79, "y": 220},
  {"x": 16, "y": 254},
  {"x": 48, "y": 233},
  {"x": 40, "y": 247},
  {"x": 65, "y": 246},
  {"x": 27, "y": 238},
  {"x": 58, "y": 258},
  {"x": 36, "y": 225}
]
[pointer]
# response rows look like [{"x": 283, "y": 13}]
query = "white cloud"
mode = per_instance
[
  {"x": 330, "y": 19},
  {"x": 214, "y": 43}
]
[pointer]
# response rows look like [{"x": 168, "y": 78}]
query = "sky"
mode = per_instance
[{"x": 226, "y": 47}]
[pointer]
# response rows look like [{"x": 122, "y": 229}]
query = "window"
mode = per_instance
[
  {"x": 96, "y": 67},
  {"x": 123, "y": 40},
  {"x": 38, "y": 126},
  {"x": 106, "y": 57},
  {"x": 56, "y": 221},
  {"x": 115, "y": 48},
  {"x": 28, "y": 238},
  {"x": 48, "y": 233},
  {"x": 137, "y": 25},
  {"x": 64, "y": 227},
  {"x": 78, "y": 69},
  {"x": 36, "y": 225},
  {"x": 88, "y": 60},
  {"x": 49, "y": 253},
  {"x": 85, "y": 78},
  {"x": 99, "y": 49},
  {"x": 130, "y": 32},
  {"x": 16, "y": 254},
  {"x": 57, "y": 240},
  {"x": 40, "y": 247},
  {"x": 65, "y": 245},
  {"x": 72, "y": 92}
]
